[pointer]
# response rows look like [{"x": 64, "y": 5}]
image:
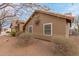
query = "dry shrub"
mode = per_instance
[
  {"x": 13, "y": 33},
  {"x": 64, "y": 46},
  {"x": 19, "y": 33},
  {"x": 24, "y": 39}
]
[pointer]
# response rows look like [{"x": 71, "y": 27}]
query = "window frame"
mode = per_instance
[
  {"x": 29, "y": 27},
  {"x": 44, "y": 29}
]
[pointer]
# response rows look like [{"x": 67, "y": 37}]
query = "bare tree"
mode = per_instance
[{"x": 10, "y": 10}]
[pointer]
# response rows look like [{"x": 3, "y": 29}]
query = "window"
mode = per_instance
[
  {"x": 30, "y": 28},
  {"x": 47, "y": 29}
]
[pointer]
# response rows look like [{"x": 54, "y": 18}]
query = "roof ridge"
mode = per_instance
[{"x": 54, "y": 14}]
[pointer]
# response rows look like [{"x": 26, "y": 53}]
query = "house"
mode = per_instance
[
  {"x": 13, "y": 25},
  {"x": 45, "y": 23},
  {"x": 21, "y": 24},
  {"x": 17, "y": 25},
  {"x": 5, "y": 31}
]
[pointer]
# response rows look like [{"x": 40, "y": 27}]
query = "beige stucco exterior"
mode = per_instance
[
  {"x": 59, "y": 25},
  {"x": 17, "y": 25},
  {"x": 21, "y": 27}
]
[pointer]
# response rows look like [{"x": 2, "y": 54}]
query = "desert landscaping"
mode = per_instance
[
  {"x": 35, "y": 29},
  {"x": 36, "y": 47}
]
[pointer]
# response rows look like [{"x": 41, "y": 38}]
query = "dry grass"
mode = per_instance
[
  {"x": 60, "y": 45},
  {"x": 63, "y": 46},
  {"x": 24, "y": 39}
]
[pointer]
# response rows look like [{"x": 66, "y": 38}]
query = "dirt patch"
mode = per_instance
[
  {"x": 39, "y": 47},
  {"x": 75, "y": 38}
]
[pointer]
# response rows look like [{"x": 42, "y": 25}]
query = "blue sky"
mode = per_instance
[
  {"x": 62, "y": 8},
  {"x": 58, "y": 7}
]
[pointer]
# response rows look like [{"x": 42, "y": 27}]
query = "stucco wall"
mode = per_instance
[
  {"x": 59, "y": 25},
  {"x": 21, "y": 27}
]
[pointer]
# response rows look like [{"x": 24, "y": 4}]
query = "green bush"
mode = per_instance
[
  {"x": 13, "y": 33},
  {"x": 8, "y": 32},
  {"x": 64, "y": 46},
  {"x": 24, "y": 39},
  {"x": 78, "y": 29}
]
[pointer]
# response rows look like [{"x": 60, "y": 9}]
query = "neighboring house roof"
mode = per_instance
[
  {"x": 51, "y": 14},
  {"x": 21, "y": 22},
  {"x": 18, "y": 22}
]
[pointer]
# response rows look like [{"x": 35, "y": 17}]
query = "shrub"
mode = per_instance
[
  {"x": 8, "y": 32},
  {"x": 13, "y": 33},
  {"x": 24, "y": 39},
  {"x": 64, "y": 46},
  {"x": 19, "y": 33}
]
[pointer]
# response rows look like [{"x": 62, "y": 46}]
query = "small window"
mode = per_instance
[
  {"x": 47, "y": 29},
  {"x": 30, "y": 28}
]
